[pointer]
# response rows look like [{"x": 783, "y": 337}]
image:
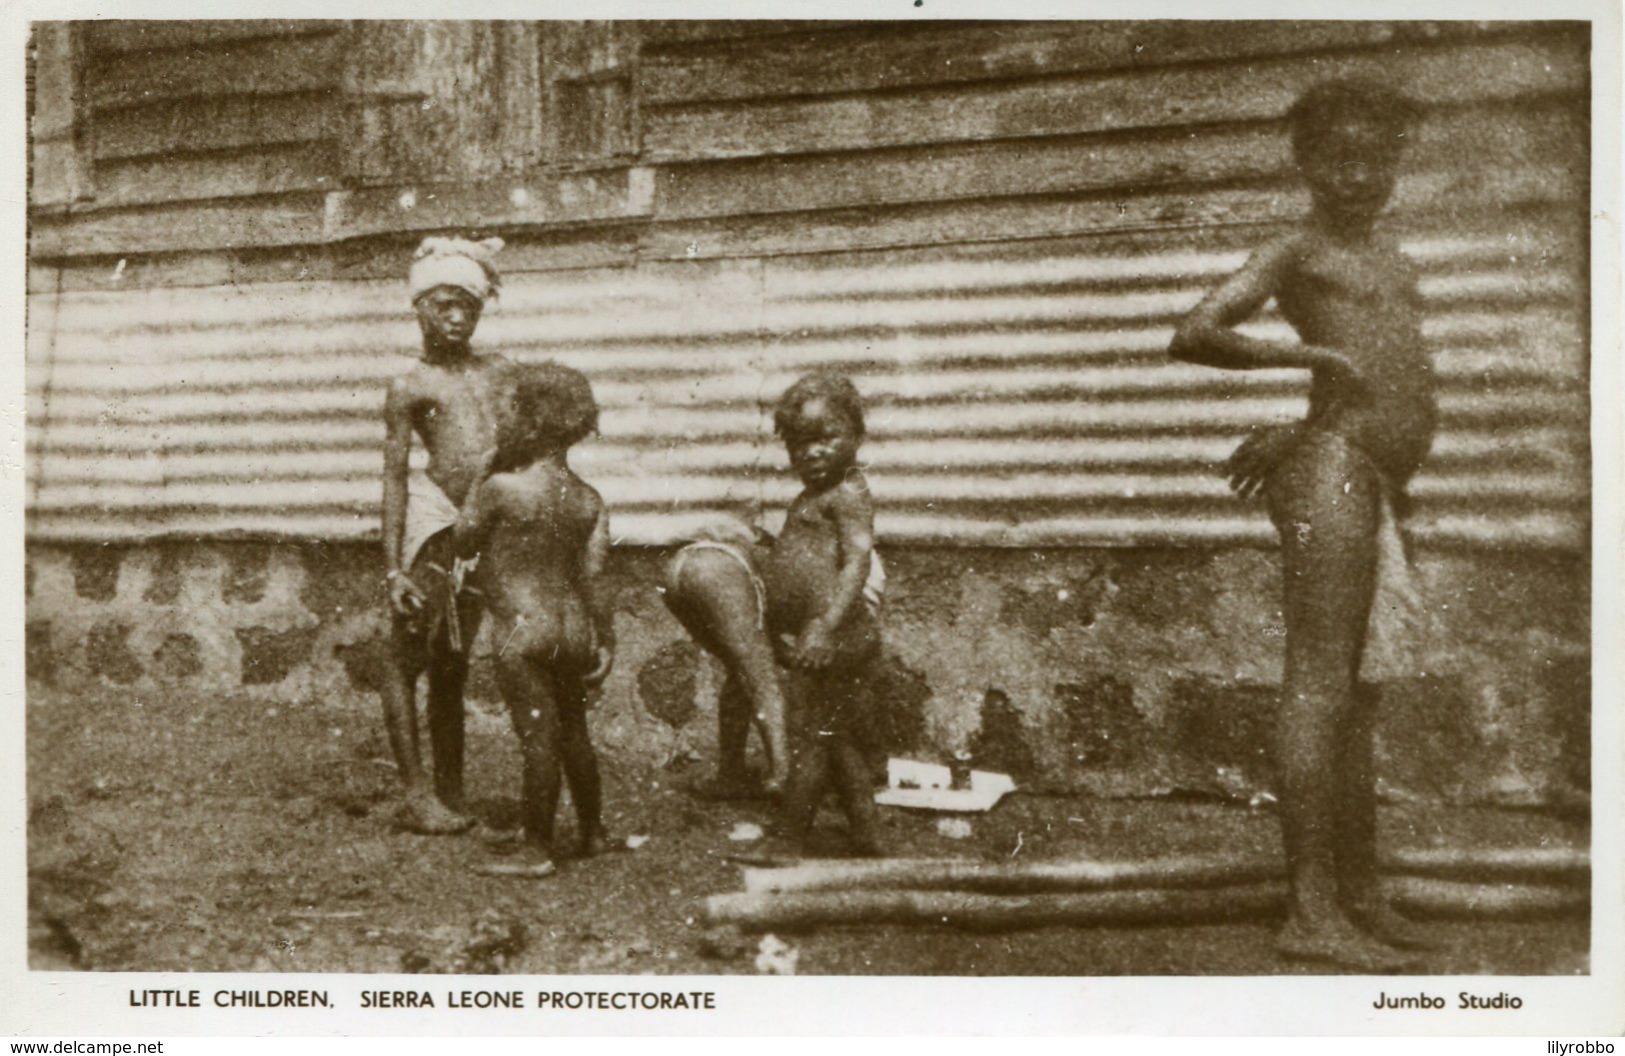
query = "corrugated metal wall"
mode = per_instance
[{"x": 992, "y": 227}]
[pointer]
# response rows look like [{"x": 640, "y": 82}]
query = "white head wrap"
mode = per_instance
[{"x": 455, "y": 262}]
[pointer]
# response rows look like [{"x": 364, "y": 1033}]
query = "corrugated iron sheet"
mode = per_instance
[
  {"x": 1017, "y": 396},
  {"x": 1019, "y": 391}
]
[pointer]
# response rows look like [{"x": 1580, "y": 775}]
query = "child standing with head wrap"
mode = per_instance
[
  {"x": 451, "y": 402},
  {"x": 1335, "y": 484}
]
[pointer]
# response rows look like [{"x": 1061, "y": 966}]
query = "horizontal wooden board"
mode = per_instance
[
  {"x": 262, "y": 222},
  {"x": 1116, "y": 211},
  {"x": 256, "y": 66},
  {"x": 1453, "y": 74},
  {"x": 115, "y": 36},
  {"x": 1536, "y": 137},
  {"x": 671, "y": 33},
  {"x": 881, "y": 56},
  {"x": 609, "y": 193},
  {"x": 380, "y": 256},
  {"x": 189, "y": 177},
  {"x": 219, "y": 123}
]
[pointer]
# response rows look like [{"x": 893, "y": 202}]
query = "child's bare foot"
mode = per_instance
[
  {"x": 1341, "y": 945},
  {"x": 534, "y": 864},
  {"x": 1391, "y": 926},
  {"x": 422, "y": 813}
]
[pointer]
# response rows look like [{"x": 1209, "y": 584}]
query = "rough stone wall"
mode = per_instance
[{"x": 1118, "y": 672}]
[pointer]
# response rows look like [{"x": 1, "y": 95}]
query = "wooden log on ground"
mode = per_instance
[
  {"x": 1545, "y": 865},
  {"x": 1419, "y": 896},
  {"x": 1012, "y": 878},
  {"x": 1552, "y": 864},
  {"x": 798, "y": 911},
  {"x": 1416, "y": 896}
]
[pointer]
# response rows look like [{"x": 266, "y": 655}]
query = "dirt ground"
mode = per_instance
[{"x": 229, "y": 835}]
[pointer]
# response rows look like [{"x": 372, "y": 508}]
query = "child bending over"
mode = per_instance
[
  {"x": 826, "y": 630},
  {"x": 543, "y": 537},
  {"x": 1334, "y": 484},
  {"x": 714, "y": 587}
]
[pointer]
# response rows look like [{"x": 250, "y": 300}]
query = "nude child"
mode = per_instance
[
  {"x": 542, "y": 534},
  {"x": 1334, "y": 484}
]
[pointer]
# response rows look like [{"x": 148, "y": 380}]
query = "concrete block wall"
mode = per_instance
[{"x": 1117, "y": 672}]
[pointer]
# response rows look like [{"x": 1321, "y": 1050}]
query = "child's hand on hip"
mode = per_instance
[
  {"x": 405, "y": 599},
  {"x": 1253, "y": 462}
]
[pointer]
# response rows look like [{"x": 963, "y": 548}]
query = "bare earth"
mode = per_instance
[{"x": 229, "y": 835}]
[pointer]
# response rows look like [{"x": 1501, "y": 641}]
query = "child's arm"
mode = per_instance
[
  {"x": 1208, "y": 336},
  {"x": 474, "y": 521},
  {"x": 598, "y": 599},
  {"x": 853, "y": 512},
  {"x": 404, "y": 595}
]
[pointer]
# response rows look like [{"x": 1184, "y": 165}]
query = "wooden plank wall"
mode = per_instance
[
  {"x": 992, "y": 226},
  {"x": 198, "y": 110}
]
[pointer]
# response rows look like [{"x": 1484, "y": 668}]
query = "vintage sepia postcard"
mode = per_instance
[{"x": 684, "y": 520}]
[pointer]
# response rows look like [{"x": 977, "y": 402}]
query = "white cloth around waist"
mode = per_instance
[
  {"x": 428, "y": 513},
  {"x": 1397, "y": 628}
]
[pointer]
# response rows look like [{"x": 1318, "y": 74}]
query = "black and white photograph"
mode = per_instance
[{"x": 739, "y": 497}]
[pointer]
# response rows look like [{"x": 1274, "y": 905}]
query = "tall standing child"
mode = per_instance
[
  {"x": 1333, "y": 484},
  {"x": 451, "y": 402},
  {"x": 543, "y": 538},
  {"x": 818, "y": 612}
]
